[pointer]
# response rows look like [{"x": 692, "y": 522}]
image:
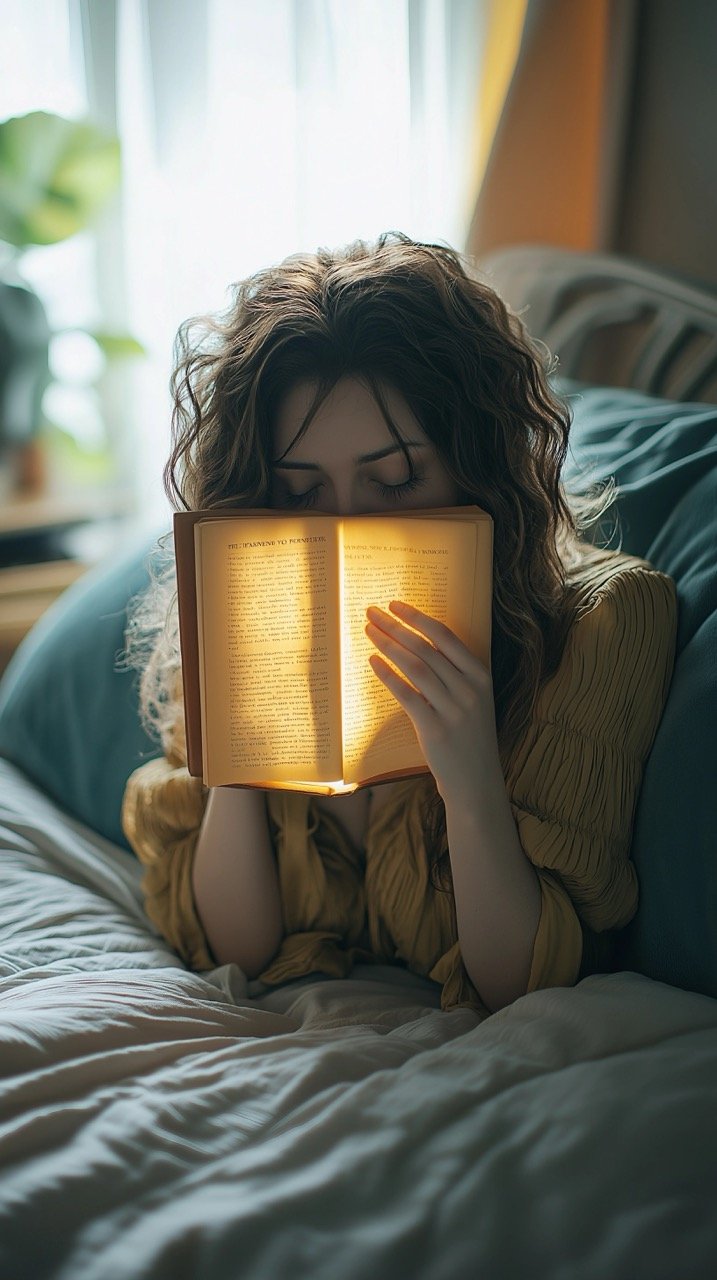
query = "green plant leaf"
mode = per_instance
[
  {"x": 67, "y": 458},
  {"x": 117, "y": 346},
  {"x": 55, "y": 177}
]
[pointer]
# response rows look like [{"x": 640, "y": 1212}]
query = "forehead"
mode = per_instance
[{"x": 349, "y": 421}]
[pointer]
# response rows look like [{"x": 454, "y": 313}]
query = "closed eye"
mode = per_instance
[
  {"x": 391, "y": 492},
  {"x": 394, "y": 492}
]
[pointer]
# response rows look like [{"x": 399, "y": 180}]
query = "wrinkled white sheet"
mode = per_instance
[{"x": 158, "y": 1123}]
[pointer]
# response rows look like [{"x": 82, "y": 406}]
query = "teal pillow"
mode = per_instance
[
  {"x": 68, "y": 719},
  {"x": 664, "y": 457}
]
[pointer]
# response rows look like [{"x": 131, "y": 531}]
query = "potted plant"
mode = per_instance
[{"x": 56, "y": 176}]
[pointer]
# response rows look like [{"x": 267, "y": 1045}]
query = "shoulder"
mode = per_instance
[
  {"x": 625, "y": 610},
  {"x": 609, "y": 585},
  {"x": 618, "y": 659}
]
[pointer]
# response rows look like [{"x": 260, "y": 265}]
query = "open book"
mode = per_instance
[{"x": 278, "y": 690}]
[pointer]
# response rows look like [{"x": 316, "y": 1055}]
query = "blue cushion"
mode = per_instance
[
  {"x": 68, "y": 719},
  {"x": 664, "y": 457}
]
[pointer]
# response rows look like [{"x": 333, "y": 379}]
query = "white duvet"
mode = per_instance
[{"x": 159, "y": 1123}]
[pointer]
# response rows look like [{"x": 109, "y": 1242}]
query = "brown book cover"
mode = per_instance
[{"x": 186, "y": 566}]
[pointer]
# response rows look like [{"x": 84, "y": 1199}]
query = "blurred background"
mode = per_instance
[{"x": 154, "y": 151}]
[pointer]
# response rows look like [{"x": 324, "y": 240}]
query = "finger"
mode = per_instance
[
  {"x": 453, "y": 678},
  {"x": 438, "y": 633},
  {"x": 413, "y": 703},
  {"x": 426, "y": 680}
]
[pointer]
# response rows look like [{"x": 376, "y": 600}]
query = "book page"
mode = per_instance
[
  {"x": 268, "y": 608},
  {"x": 427, "y": 563}
]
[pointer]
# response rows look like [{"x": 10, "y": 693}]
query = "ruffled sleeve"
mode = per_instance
[
  {"x": 574, "y": 781},
  {"x": 162, "y": 811}
]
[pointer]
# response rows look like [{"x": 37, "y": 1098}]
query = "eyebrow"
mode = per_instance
[{"x": 367, "y": 457}]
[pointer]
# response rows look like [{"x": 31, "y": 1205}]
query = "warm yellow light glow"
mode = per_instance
[
  {"x": 334, "y": 788},
  {"x": 288, "y": 695}
]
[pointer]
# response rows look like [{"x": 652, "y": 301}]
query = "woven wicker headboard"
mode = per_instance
[{"x": 613, "y": 321}]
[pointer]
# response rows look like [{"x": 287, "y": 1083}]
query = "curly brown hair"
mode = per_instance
[{"x": 417, "y": 318}]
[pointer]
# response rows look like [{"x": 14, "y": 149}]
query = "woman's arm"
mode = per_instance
[
  {"x": 235, "y": 880},
  {"x": 497, "y": 892},
  {"x": 579, "y": 777}
]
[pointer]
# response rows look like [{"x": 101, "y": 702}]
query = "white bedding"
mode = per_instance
[{"x": 159, "y": 1123}]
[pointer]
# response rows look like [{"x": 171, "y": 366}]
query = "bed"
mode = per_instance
[{"x": 156, "y": 1122}]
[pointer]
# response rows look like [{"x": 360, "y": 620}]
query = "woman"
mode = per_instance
[{"x": 387, "y": 377}]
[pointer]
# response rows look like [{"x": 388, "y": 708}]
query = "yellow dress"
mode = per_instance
[{"x": 572, "y": 783}]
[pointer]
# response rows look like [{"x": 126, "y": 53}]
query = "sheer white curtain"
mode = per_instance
[{"x": 251, "y": 129}]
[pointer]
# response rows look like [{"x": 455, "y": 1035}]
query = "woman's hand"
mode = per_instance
[{"x": 449, "y": 698}]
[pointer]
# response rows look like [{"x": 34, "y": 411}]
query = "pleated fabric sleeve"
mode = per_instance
[
  {"x": 162, "y": 811},
  {"x": 574, "y": 782}
]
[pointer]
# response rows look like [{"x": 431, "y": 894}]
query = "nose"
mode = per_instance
[
  {"x": 350, "y": 508},
  {"x": 344, "y": 508},
  {"x": 341, "y": 500}
]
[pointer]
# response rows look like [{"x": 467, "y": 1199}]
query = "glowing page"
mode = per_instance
[
  {"x": 430, "y": 564},
  {"x": 267, "y": 596}
]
